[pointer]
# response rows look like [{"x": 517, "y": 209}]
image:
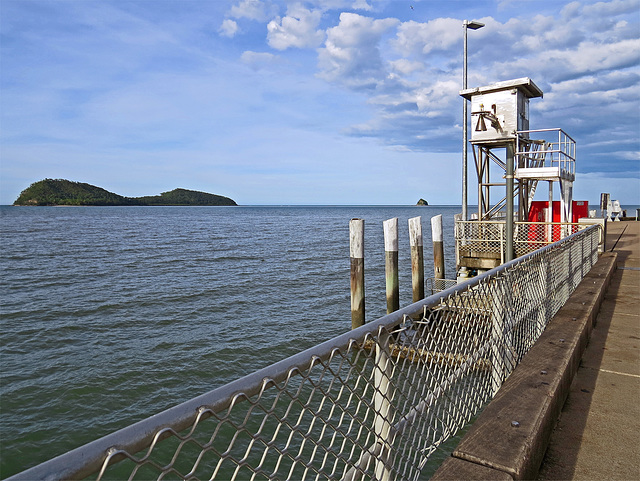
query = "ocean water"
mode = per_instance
[{"x": 112, "y": 314}]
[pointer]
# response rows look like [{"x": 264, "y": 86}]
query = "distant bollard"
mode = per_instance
[
  {"x": 438, "y": 247},
  {"x": 356, "y": 248},
  {"x": 417, "y": 258},
  {"x": 391, "y": 264}
]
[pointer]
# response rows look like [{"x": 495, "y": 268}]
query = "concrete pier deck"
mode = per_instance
[
  {"x": 598, "y": 433},
  {"x": 576, "y": 394}
]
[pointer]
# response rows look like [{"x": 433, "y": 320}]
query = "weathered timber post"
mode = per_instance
[
  {"x": 391, "y": 264},
  {"x": 356, "y": 248},
  {"x": 417, "y": 258},
  {"x": 438, "y": 247}
]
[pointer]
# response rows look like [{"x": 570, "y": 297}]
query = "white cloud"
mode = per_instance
[
  {"x": 406, "y": 67},
  {"x": 570, "y": 10},
  {"x": 438, "y": 96},
  {"x": 254, "y": 10},
  {"x": 438, "y": 34},
  {"x": 361, "y": 5},
  {"x": 258, "y": 60},
  {"x": 351, "y": 54},
  {"x": 299, "y": 28},
  {"x": 591, "y": 57},
  {"x": 602, "y": 84},
  {"x": 586, "y": 60},
  {"x": 339, "y": 5},
  {"x": 616, "y": 7},
  {"x": 228, "y": 28},
  {"x": 623, "y": 186}
]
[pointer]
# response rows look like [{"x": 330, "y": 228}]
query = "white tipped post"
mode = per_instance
[
  {"x": 438, "y": 247},
  {"x": 391, "y": 264},
  {"x": 417, "y": 258},
  {"x": 356, "y": 249}
]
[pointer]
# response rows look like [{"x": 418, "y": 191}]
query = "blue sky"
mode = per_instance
[{"x": 316, "y": 102}]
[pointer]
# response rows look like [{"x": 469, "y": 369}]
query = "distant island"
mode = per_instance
[
  {"x": 422, "y": 202},
  {"x": 66, "y": 192}
]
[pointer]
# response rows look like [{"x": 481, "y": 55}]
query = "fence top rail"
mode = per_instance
[
  {"x": 475, "y": 221},
  {"x": 562, "y": 149},
  {"x": 556, "y": 129},
  {"x": 88, "y": 459}
]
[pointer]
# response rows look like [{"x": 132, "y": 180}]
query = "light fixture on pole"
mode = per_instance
[{"x": 473, "y": 25}]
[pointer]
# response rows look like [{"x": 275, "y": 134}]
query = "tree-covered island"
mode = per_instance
[{"x": 66, "y": 192}]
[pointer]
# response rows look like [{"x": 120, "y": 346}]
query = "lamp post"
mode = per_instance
[{"x": 473, "y": 25}]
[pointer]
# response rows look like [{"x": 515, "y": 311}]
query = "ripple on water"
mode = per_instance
[{"x": 110, "y": 315}]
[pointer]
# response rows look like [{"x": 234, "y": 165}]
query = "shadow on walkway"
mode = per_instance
[{"x": 598, "y": 433}]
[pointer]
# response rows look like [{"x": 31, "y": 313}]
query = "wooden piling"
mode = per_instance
[
  {"x": 356, "y": 248},
  {"x": 391, "y": 264},
  {"x": 417, "y": 258},
  {"x": 438, "y": 247}
]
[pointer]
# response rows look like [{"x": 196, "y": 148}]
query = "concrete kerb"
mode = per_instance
[{"x": 511, "y": 435}]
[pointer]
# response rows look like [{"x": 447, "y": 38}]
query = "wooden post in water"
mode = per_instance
[
  {"x": 417, "y": 258},
  {"x": 356, "y": 248},
  {"x": 391, "y": 264},
  {"x": 438, "y": 247}
]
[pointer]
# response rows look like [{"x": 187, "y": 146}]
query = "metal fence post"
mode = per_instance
[
  {"x": 542, "y": 297},
  {"x": 567, "y": 275},
  {"x": 382, "y": 395},
  {"x": 502, "y": 243},
  {"x": 497, "y": 336}
]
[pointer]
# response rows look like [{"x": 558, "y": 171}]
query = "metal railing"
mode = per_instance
[
  {"x": 556, "y": 149},
  {"x": 373, "y": 403},
  {"x": 486, "y": 239}
]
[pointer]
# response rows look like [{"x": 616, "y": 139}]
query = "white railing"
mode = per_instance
[{"x": 555, "y": 149}]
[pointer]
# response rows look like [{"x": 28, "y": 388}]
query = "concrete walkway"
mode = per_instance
[{"x": 597, "y": 436}]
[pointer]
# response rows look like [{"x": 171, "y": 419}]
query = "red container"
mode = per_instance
[{"x": 538, "y": 210}]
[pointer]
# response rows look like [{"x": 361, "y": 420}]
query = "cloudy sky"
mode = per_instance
[{"x": 304, "y": 102}]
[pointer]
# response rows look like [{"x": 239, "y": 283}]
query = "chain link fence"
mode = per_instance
[
  {"x": 486, "y": 239},
  {"x": 434, "y": 285},
  {"x": 373, "y": 403}
]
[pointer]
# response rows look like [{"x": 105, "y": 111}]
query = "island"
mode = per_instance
[
  {"x": 422, "y": 202},
  {"x": 56, "y": 192}
]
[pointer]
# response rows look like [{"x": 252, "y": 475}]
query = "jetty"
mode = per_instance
[
  {"x": 379, "y": 400},
  {"x": 570, "y": 409}
]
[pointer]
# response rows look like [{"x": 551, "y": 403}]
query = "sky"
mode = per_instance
[{"x": 316, "y": 102}]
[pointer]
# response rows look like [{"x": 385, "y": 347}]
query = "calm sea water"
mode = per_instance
[{"x": 112, "y": 314}]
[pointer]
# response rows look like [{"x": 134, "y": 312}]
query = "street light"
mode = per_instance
[{"x": 473, "y": 25}]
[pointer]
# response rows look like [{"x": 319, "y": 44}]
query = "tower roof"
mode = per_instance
[{"x": 525, "y": 84}]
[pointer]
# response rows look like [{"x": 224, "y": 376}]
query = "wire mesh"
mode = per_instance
[
  {"x": 486, "y": 239},
  {"x": 374, "y": 403},
  {"x": 434, "y": 285}
]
